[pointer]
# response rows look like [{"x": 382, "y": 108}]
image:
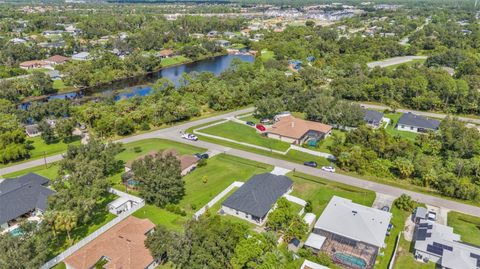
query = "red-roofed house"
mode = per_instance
[
  {"x": 122, "y": 246},
  {"x": 297, "y": 131},
  {"x": 57, "y": 59}
]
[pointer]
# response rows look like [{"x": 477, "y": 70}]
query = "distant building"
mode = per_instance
[
  {"x": 23, "y": 197},
  {"x": 18, "y": 41},
  {"x": 122, "y": 246},
  {"x": 229, "y": 35},
  {"x": 223, "y": 43},
  {"x": 297, "y": 131},
  {"x": 438, "y": 243},
  {"x": 212, "y": 34},
  {"x": 54, "y": 74},
  {"x": 417, "y": 124},
  {"x": 82, "y": 56},
  {"x": 52, "y": 32},
  {"x": 33, "y": 64},
  {"x": 32, "y": 130},
  {"x": 166, "y": 53},
  {"x": 57, "y": 59},
  {"x": 256, "y": 198}
]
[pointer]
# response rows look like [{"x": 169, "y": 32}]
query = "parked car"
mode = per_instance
[
  {"x": 328, "y": 169},
  {"x": 265, "y": 121},
  {"x": 250, "y": 123},
  {"x": 386, "y": 208},
  {"x": 202, "y": 155},
  {"x": 310, "y": 163},
  {"x": 390, "y": 226},
  {"x": 432, "y": 216},
  {"x": 260, "y": 127},
  {"x": 190, "y": 137}
]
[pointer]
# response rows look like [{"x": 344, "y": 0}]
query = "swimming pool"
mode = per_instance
[
  {"x": 350, "y": 260},
  {"x": 132, "y": 183},
  {"x": 16, "y": 232}
]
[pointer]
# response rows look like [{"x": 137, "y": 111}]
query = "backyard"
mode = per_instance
[
  {"x": 405, "y": 259},
  {"x": 246, "y": 134}
]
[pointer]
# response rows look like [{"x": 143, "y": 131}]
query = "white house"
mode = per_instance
[
  {"x": 416, "y": 124},
  {"x": 82, "y": 56}
]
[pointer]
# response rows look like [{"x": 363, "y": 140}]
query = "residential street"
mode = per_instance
[
  {"x": 422, "y": 113},
  {"x": 173, "y": 133},
  {"x": 394, "y": 61}
]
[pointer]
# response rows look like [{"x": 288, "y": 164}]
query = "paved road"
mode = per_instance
[
  {"x": 154, "y": 134},
  {"x": 423, "y": 113},
  {"x": 172, "y": 133},
  {"x": 394, "y": 61}
]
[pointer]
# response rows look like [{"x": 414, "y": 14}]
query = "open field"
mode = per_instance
[
  {"x": 174, "y": 60},
  {"x": 244, "y": 133},
  {"x": 467, "y": 226}
]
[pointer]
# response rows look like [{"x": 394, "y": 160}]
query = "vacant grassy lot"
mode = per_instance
[
  {"x": 267, "y": 55},
  {"x": 244, "y": 133},
  {"x": 391, "y": 127},
  {"x": 174, "y": 60},
  {"x": 319, "y": 191},
  {"x": 468, "y": 227},
  {"x": 220, "y": 171}
]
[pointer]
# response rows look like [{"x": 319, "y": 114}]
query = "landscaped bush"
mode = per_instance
[{"x": 175, "y": 209}]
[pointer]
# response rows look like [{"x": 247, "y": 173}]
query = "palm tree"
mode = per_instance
[{"x": 66, "y": 221}]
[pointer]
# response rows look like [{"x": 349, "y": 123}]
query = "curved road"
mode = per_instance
[{"x": 173, "y": 133}]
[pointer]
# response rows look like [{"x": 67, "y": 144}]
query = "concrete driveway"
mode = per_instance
[{"x": 382, "y": 200}]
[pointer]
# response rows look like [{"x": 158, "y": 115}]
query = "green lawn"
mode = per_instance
[
  {"x": 174, "y": 60},
  {"x": 324, "y": 145},
  {"x": 319, "y": 191},
  {"x": 40, "y": 149},
  {"x": 244, "y": 133},
  {"x": 60, "y": 86},
  {"x": 398, "y": 221},
  {"x": 391, "y": 127},
  {"x": 220, "y": 171},
  {"x": 468, "y": 227},
  {"x": 267, "y": 55},
  {"x": 405, "y": 259},
  {"x": 250, "y": 118},
  {"x": 50, "y": 171}
]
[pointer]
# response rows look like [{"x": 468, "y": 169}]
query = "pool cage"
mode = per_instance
[{"x": 348, "y": 252}]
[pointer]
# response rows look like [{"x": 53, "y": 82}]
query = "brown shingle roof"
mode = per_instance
[
  {"x": 33, "y": 63},
  {"x": 123, "y": 245},
  {"x": 185, "y": 160},
  {"x": 292, "y": 127},
  {"x": 58, "y": 59},
  {"x": 166, "y": 52}
]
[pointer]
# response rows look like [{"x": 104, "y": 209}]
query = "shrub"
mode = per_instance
[
  {"x": 202, "y": 162},
  {"x": 405, "y": 203},
  {"x": 175, "y": 209},
  {"x": 137, "y": 149}
]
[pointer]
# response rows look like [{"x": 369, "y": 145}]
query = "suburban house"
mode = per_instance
[
  {"x": 438, "y": 243},
  {"x": 21, "y": 198},
  {"x": 82, "y": 56},
  {"x": 122, "y": 246},
  {"x": 33, "y": 64},
  {"x": 256, "y": 198},
  {"x": 57, "y": 59},
  {"x": 297, "y": 131},
  {"x": 223, "y": 43},
  {"x": 417, "y": 124},
  {"x": 373, "y": 118},
  {"x": 351, "y": 234},
  {"x": 165, "y": 53},
  {"x": 187, "y": 162},
  {"x": 123, "y": 203},
  {"x": 32, "y": 130},
  {"x": 212, "y": 34}
]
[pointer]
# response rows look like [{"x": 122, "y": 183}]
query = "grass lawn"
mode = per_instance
[
  {"x": 220, "y": 171},
  {"x": 40, "y": 149},
  {"x": 60, "y": 265},
  {"x": 250, "y": 118},
  {"x": 244, "y": 133},
  {"x": 319, "y": 191},
  {"x": 174, "y": 60},
  {"x": 405, "y": 259},
  {"x": 60, "y": 86},
  {"x": 267, "y": 55},
  {"x": 391, "y": 127},
  {"x": 398, "y": 221},
  {"x": 468, "y": 227}
]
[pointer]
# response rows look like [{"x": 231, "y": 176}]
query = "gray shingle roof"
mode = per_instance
[
  {"x": 23, "y": 194},
  {"x": 257, "y": 196},
  {"x": 373, "y": 117},
  {"x": 411, "y": 119}
]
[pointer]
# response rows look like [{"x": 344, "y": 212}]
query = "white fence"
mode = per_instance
[
  {"x": 91, "y": 236},
  {"x": 217, "y": 198},
  {"x": 392, "y": 260},
  {"x": 314, "y": 152}
]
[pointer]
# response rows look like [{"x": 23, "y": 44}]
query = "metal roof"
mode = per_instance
[
  {"x": 372, "y": 116},
  {"x": 257, "y": 196},
  {"x": 355, "y": 221},
  {"x": 411, "y": 119}
]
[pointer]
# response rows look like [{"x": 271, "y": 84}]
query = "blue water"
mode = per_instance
[{"x": 214, "y": 65}]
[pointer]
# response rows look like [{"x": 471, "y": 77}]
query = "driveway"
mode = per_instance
[{"x": 382, "y": 200}]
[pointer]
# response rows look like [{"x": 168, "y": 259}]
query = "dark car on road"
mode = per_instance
[
  {"x": 201, "y": 155},
  {"x": 311, "y": 164},
  {"x": 250, "y": 123}
]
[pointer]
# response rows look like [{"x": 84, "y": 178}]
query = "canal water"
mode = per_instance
[{"x": 141, "y": 86}]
